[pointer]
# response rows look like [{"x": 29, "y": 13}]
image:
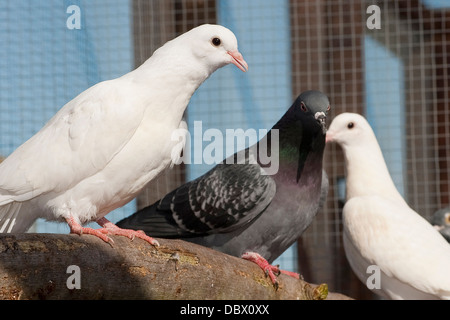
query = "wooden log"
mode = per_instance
[{"x": 56, "y": 266}]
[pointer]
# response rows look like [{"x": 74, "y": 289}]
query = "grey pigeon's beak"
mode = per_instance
[
  {"x": 238, "y": 60},
  {"x": 321, "y": 117}
]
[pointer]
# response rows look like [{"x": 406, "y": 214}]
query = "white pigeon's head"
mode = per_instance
[
  {"x": 349, "y": 129},
  {"x": 214, "y": 45}
]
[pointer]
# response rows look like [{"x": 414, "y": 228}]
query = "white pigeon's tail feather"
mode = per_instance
[{"x": 11, "y": 221}]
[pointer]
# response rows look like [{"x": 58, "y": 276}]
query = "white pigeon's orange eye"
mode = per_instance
[{"x": 216, "y": 42}]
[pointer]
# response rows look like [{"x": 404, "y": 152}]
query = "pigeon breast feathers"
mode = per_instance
[{"x": 369, "y": 223}]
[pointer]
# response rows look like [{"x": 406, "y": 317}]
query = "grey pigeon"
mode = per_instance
[
  {"x": 240, "y": 210},
  {"x": 441, "y": 221},
  {"x": 103, "y": 147}
]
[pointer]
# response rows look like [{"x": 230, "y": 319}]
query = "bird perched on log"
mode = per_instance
[
  {"x": 241, "y": 210},
  {"x": 380, "y": 230},
  {"x": 100, "y": 149},
  {"x": 441, "y": 221}
]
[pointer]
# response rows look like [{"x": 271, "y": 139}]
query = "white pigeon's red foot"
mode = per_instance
[
  {"x": 108, "y": 228},
  {"x": 271, "y": 271},
  {"x": 76, "y": 228},
  {"x": 112, "y": 229}
]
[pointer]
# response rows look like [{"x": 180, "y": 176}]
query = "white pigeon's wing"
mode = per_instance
[
  {"x": 76, "y": 143},
  {"x": 400, "y": 242}
]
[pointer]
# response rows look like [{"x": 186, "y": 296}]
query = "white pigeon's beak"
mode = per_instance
[
  {"x": 238, "y": 60},
  {"x": 329, "y": 137}
]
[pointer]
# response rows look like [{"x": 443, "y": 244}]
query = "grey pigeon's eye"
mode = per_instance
[
  {"x": 216, "y": 42},
  {"x": 350, "y": 125},
  {"x": 303, "y": 106}
]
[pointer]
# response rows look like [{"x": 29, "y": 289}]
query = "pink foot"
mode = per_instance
[
  {"x": 291, "y": 274},
  {"x": 270, "y": 270},
  {"x": 76, "y": 228},
  {"x": 111, "y": 228},
  {"x": 108, "y": 228}
]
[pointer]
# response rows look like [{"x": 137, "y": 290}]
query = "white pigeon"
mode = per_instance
[
  {"x": 380, "y": 229},
  {"x": 103, "y": 147}
]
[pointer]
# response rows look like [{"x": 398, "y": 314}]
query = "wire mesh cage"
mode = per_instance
[{"x": 388, "y": 60}]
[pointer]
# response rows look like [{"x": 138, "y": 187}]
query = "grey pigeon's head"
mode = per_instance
[
  {"x": 314, "y": 104},
  {"x": 441, "y": 218},
  {"x": 213, "y": 45},
  {"x": 306, "y": 117},
  {"x": 441, "y": 221},
  {"x": 302, "y": 129}
]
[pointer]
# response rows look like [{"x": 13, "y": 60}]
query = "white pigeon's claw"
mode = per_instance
[
  {"x": 76, "y": 228},
  {"x": 131, "y": 234},
  {"x": 111, "y": 229}
]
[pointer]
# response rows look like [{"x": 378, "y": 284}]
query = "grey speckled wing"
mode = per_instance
[{"x": 223, "y": 199}]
